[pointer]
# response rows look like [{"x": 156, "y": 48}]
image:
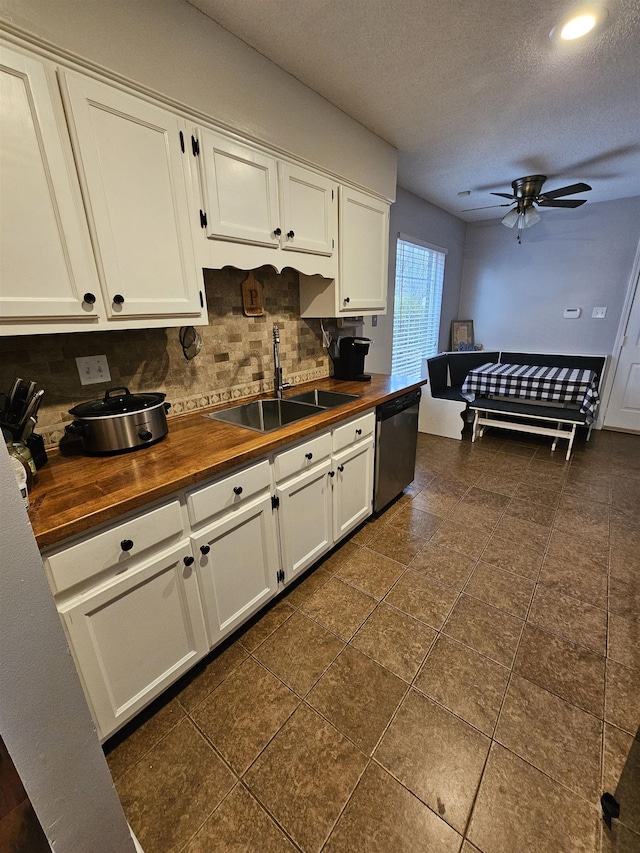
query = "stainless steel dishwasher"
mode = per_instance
[{"x": 396, "y": 438}]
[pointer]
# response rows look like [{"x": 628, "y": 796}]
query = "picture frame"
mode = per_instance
[{"x": 461, "y": 333}]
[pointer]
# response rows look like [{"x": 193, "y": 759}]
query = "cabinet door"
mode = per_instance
[
  {"x": 364, "y": 252},
  {"x": 309, "y": 210},
  {"x": 46, "y": 261},
  {"x": 130, "y": 159},
  {"x": 353, "y": 488},
  {"x": 304, "y": 518},
  {"x": 134, "y": 636},
  {"x": 240, "y": 191},
  {"x": 237, "y": 566}
]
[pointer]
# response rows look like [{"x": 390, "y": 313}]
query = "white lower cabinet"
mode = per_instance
[
  {"x": 319, "y": 505},
  {"x": 144, "y": 598},
  {"x": 136, "y": 634},
  {"x": 237, "y": 564},
  {"x": 353, "y": 487},
  {"x": 304, "y": 516}
]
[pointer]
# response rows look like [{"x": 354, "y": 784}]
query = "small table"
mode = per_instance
[{"x": 550, "y": 388}]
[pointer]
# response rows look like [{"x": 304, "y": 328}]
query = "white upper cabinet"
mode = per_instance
[
  {"x": 240, "y": 191},
  {"x": 46, "y": 262},
  {"x": 308, "y": 210},
  {"x": 259, "y": 209},
  {"x": 360, "y": 286},
  {"x": 132, "y": 170},
  {"x": 364, "y": 255},
  {"x": 113, "y": 203}
]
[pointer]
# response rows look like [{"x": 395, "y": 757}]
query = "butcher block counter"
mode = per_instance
[{"x": 76, "y": 492}]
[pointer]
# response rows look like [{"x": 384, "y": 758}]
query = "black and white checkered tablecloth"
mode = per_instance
[{"x": 531, "y": 382}]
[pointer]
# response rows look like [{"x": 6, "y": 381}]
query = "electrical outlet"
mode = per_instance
[
  {"x": 599, "y": 313},
  {"x": 93, "y": 369}
]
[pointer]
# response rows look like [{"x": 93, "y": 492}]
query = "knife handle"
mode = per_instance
[
  {"x": 28, "y": 429},
  {"x": 32, "y": 407}
]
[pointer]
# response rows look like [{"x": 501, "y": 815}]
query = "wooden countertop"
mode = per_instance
[{"x": 75, "y": 493}]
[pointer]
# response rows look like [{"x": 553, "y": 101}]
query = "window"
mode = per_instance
[{"x": 417, "y": 304}]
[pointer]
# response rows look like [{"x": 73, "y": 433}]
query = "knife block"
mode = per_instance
[{"x": 35, "y": 443}]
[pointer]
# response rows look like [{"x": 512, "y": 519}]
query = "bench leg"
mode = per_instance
[
  {"x": 589, "y": 432},
  {"x": 474, "y": 429},
  {"x": 555, "y": 440},
  {"x": 573, "y": 435}
]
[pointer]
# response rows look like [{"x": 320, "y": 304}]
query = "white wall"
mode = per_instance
[
  {"x": 578, "y": 258},
  {"x": 172, "y": 48},
  {"x": 416, "y": 217},
  {"x": 44, "y": 718}
]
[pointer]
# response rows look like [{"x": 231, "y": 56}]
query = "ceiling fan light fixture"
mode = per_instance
[
  {"x": 510, "y": 218},
  {"x": 530, "y": 217}
]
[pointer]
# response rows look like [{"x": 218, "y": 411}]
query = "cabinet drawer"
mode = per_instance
[
  {"x": 356, "y": 430},
  {"x": 302, "y": 456},
  {"x": 207, "y": 501},
  {"x": 117, "y": 546}
]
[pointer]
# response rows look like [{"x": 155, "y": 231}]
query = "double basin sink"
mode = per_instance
[{"x": 267, "y": 415}]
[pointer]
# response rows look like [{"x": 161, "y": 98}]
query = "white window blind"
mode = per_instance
[{"x": 417, "y": 304}]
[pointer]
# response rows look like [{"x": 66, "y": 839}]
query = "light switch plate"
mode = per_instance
[
  {"x": 599, "y": 313},
  {"x": 572, "y": 313},
  {"x": 93, "y": 369}
]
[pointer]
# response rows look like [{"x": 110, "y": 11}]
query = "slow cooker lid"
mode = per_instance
[{"x": 117, "y": 401}]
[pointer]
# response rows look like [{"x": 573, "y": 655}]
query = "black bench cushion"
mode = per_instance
[
  {"x": 437, "y": 367},
  {"x": 580, "y": 362},
  {"x": 460, "y": 363},
  {"x": 559, "y": 413},
  {"x": 450, "y": 393}
]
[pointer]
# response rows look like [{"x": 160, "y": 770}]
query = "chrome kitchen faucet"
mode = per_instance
[{"x": 278, "y": 385}]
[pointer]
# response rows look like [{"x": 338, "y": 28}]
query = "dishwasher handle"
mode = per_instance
[{"x": 399, "y": 404}]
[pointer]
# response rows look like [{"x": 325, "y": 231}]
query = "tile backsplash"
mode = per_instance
[{"x": 236, "y": 359}]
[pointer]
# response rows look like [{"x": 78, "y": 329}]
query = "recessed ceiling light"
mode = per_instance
[
  {"x": 578, "y": 27},
  {"x": 581, "y": 23}
]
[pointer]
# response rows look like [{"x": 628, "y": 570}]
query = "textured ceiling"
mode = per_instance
[{"x": 472, "y": 94}]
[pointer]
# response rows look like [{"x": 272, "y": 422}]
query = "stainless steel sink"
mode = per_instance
[
  {"x": 265, "y": 415},
  {"x": 325, "y": 399}
]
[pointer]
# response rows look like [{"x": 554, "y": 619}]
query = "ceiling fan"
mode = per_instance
[{"x": 527, "y": 193}]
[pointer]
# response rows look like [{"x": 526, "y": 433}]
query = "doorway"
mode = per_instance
[{"x": 623, "y": 408}]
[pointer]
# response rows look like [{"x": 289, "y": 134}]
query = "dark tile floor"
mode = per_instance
[{"x": 462, "y": 675}]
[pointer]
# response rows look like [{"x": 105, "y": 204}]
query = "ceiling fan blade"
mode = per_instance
[
  {"x": 504, "y": 195},
  {"x": 567, "y": 202},
  {"x": 570, "y": 190},
  {"x": 486, "y": 207}
]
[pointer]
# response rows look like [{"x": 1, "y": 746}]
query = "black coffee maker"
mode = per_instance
[{"x": 350, "y": 363}]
